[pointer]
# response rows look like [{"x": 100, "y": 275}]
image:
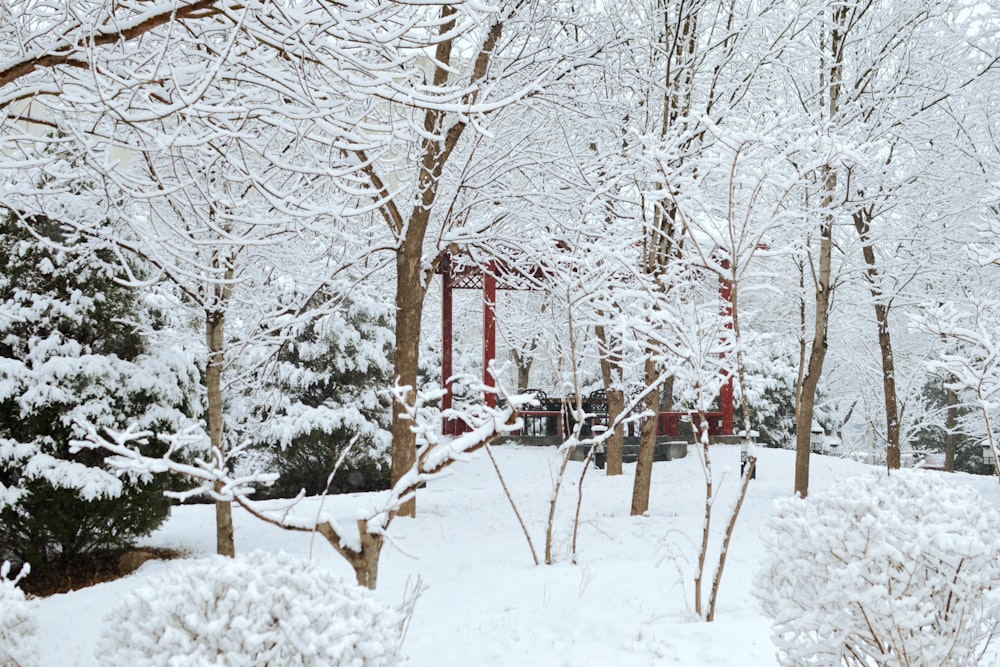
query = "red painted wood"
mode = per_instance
[
  {"x": 489, "y": 331},
  {"x": 446, "y": 339}
]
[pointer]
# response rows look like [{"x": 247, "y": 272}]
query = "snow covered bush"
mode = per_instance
[
  {"x": 258, "y": 610},
  {"x": 18, "y": 628},
  {"x": 882, "y": 571}
]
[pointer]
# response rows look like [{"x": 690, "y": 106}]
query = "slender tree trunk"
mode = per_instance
[
  {"x": 831, "y": 74},
  {"x": 814, "y": 369},
  {"x": 862, "y": 223},
  {"x": 707, "y": 522},
  {"x": 647, "y": 443},
  {"x": 611, "y": 372},
  {"x": 950, "y": 425},
  {"x": 215, "y": 339},
  {"x": 892, "y": 454},
  {"x": 802, "y": 335},
  {"x": 522, "y": 362}
]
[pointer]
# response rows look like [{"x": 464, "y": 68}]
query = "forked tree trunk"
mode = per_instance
[
  {"x": 439, "y": 141},
  {"x": 365, "y": 562},
  {"x": 681, "y": 41},
  {"x": 410, "y": 288},
  {"x": 522, "y": 363}
]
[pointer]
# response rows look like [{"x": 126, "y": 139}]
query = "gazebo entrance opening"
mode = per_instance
[{"x": 552, "y": 419}]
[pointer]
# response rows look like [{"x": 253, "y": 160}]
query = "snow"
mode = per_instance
[
  {"x": 262, "y": 608},
  {"x": 627, "y": 600}
]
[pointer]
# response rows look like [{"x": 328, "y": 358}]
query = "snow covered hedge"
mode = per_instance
[
  {"x": 258, "y": 610},
  {"x": 880, "y": 571},
  {"x": 18, "y": 628}
]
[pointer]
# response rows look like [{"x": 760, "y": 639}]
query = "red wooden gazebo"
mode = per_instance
[{"x": 550, "y": 420}]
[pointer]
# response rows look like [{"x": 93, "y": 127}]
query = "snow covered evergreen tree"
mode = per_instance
[
  {"x": 329, "y": 390},
  {"x": 70, "y": 349}
]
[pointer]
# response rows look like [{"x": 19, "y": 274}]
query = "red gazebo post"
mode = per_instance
[
  {"x": 489, "y": 330},
  {"x": 446, "y": 335}
]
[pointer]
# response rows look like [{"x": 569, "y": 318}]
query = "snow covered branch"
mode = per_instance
[{"x": 434, "y": 455}]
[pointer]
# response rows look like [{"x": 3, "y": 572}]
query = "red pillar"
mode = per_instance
[
  {"x": 726, "y": 395},
  {"x": 489, "y": 330},
  {"x": 446, "y": 337}
]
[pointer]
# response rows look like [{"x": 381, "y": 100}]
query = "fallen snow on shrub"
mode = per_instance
[
  {"x": 258, "y": 610},
  {"x": 18, "y": 628},
  {"x": 880, "y": 571}
]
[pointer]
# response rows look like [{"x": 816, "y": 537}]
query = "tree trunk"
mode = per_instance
[
  {"x": 892, "y": 455},
  {"x": 647, "y": 442},
  {"x": 611, "y": 373},
  {"x": 831, "y": 75},
  {"x": 667, "y": 394},
  {"x": 862, "y": 223},
  {"x": 522, "y": 362},
  {"x": 703, "y": 440},
  {"x": 439, "y": 141},
  {"x": 365, "y": 562},
  {"x": 409, "y": 312},
  {"x": 950, "y": 425},
  {"x": 616, "y": 443},
  {"x": 215, "y": 339},
  {"x": 814, "y": 369}
]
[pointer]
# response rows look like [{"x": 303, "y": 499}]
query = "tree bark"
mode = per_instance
[
  {"x": 817, "y": 354},
  {"x": 950, "y": 425},
  {"x": 214, "y": 336},
  {"x": 647, "y": 442},
  {"x": 611, "y": 373},
  {"x": 365, "y": 562},
  {"x": 831, "y": 75},
  {"x": 862, "y": 223},
  {"x": 522, "y": 362},
  {"x": 410, "y": 287},
  {"x": 706, "y": 525},
  {"x": 409, "y": 312}
]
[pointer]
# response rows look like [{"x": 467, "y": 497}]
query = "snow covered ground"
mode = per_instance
[{"x": 628, "y": 599}]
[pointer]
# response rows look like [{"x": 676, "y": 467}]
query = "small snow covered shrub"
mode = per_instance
[
  {"x": 260, "y": 610},
  {"x": 882, "y": 571},
  {"x": 18, "y": 628}
]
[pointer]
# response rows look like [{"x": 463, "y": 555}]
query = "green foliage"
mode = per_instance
[
  {"x": 70, "y": 350},
  {"x": 772, "y": 415},
  {"x": 331, "y": 386},
  {"x": 933, "y": 436}
]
